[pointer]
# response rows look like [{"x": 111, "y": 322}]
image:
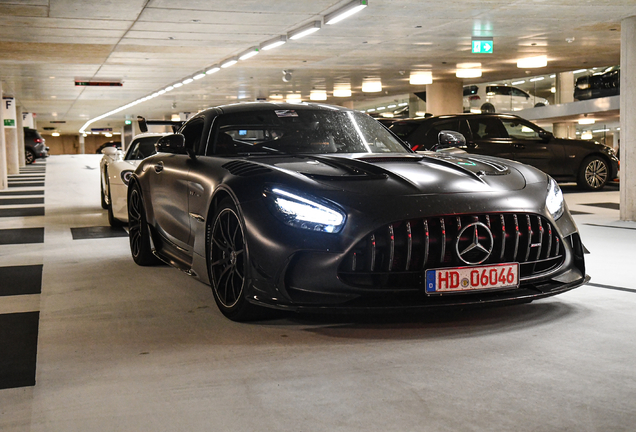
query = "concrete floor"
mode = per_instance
[{"x": 125, "y": 348}]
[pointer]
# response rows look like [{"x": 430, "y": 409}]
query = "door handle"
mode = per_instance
[{"x": 159, "y": 167}]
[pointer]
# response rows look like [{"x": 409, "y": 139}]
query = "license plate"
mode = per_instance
[{"x": 459, "y": 279}]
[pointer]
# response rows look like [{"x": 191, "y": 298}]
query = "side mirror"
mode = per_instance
[
  {"x": 109, "y": 151},
  {"x": 174, "y": 143},
  {"x": 545, "y": 136},
  {"x": 447, "y": 139}
]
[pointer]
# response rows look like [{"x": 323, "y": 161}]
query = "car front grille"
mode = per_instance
[{"x": 397, "y": 254}]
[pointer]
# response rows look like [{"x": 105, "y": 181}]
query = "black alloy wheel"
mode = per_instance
[
  {"x": 138, "y": 233},
  {"x": 29, "y": 156},
  {"x": 594, "y": 173},
  {"x": 227, "y": 265}
]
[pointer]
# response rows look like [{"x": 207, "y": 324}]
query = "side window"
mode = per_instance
[
  {"x": 498, "y": 91},
  {"x": 487, "y": 128},
  {"x": 520, "y": 93},
  {"x": 192, "y": 132},
  {"x": 141, "y": 148},
  {"x": 519, "y": 130},
  {"x": 432, "y": 134}
]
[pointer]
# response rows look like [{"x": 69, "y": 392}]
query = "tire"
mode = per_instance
[
  {"x": 540, "y": 104},
  {"x": 487, "y": 108},
  {"x": 593, "y": 174},
  {"x": 138, "y": 235},
  {"x": 29, "y": 156},
  {"x": 227, "y": 264},
  {"x": 103, "y": 194},
  {"x": 112, "y": 220}
]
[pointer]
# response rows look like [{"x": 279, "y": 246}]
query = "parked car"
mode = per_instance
[
  {"x": 114, "y": 144},
  {"x": 589, "y": 163},
  {"x": 498, "y": 98},
  {"x": 603, "y": 84},
  {"x": 313, "y": 207},
  {"x": 116, "y": 169},
  {"x": 34, "y": 146}
]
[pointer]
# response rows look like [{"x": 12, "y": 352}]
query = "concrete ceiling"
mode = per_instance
[{"x": 149, "y": 44}]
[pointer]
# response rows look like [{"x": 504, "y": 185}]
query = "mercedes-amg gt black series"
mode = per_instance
[{"x": 314, "y": 207}]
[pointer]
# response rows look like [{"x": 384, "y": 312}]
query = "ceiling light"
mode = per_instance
[
  {"x": 552, "y": 89},
  {"x": 198, "y": 76},
  {"x": 371, "y": 85},
  {"x": 403, "y": 104},
  {"x": 318, "y": 95},
  {"x": 586, "y": 121},
  {"x": 587, "y": 135},
  {"x": 392, "y": 106},
  {"x": 600, "y": 130},
  {"x": 169, "y": 88},
  {"x": 273, "y": 43},
  {"x": 553, "y": 76},
  {"x": 342, "y": 90},
  {"x": 381, "y": 108},
  {"x": 371, "y": 110},
  {"x": 161, "y": 92},
  {"x": 187, "y": 81},
  {"x": 580, "y": 71},
  {"x": 55, "y": 134},
  {"x": 276, "y": 96},
  {"x": 468, "y": 73},
  {"x": 537, "y": 79},
  {"x": 229, "y": 62},
  {"x": 532, "y": 62},
  {"x": 518, "y": 82},
  {"x": 249, "y": 53},
  {"x": 346, "y": 11},
  {"x": 421, "y": 78},
  {"x": 293, "y": 98},
  {"x": 303, "y": 31},
  {"x": 212, "y": 70},
  {"x": 177, "y": 85},
  {"x": 175, "y": 117}
]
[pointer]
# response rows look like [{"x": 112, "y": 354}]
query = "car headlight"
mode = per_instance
[
  {"x": 125, "y": 176},
  {"x": 302, "y": 211},
  {"x": 554, "y": 199}
]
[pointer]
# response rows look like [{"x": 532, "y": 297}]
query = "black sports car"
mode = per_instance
[
  {"x": 307, "y": 206},
  {"x": 588, "y": 163}
]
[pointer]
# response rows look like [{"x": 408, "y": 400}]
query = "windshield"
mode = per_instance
[{"x": 302, "y": 131}]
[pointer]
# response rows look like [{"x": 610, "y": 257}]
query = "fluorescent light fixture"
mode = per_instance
[
  {"x": 175, "y": 117},
  {"x": 586, "y": 121},
  {"x": 600, "y": 130},
  {"x": 403, "y": 104},
  {"x": 305, "y": 30},
  {"x": 198, "y": 76},
  {"x": 187, "y": 81},
  {"x": 161, "y": 92},
  {"x": 276, "y": 96},
  {"x": 55, "y": 134},
  {"x": 518, "y": 82},
  {"x": 468, "y": 73},
  {"x": 381, "y": 108},
  {"x": 553, "y": 76},
  {"x": 532, "y": 62},
  {"x": 273, "y": 43},
  {"x": 421, "y": 78},
  {"x": 587, "y": 135},
  {"x": 249, "y": 53},
  {"x": 392, "y": 106},
  {"x": 293, "y": 98},
  {"x": 371, "y": 85},
  {"x": 318, "y": 95},
  {"x": 371, "y": 110},
  {"x": 537, "y": 79},
  {"x": 169, "y": 88},
  {"x": 229, "y": 62},
  {"x": 342, "y": 90},
  {"x": 213, "y": 69},
  {"x": 580, "y": 71},
  {"x": 154, "y": 95},
  {"x": 177, "y": 85},
  {"x": 346, "y": 11},
  {"x": 552, "y": 89}
]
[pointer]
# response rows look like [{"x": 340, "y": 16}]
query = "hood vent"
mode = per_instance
[{"x": 245, "y": 169}]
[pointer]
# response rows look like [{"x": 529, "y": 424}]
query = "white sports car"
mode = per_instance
[{"x": 116, "y": 169}]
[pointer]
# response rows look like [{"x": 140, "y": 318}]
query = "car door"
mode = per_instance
[
  {"x": 520, "y": 99},
  {"x": 488, "y": 137},
  {"x": 531, "y": 148},
  {"x": 169, "y": 188},
  {"x": 500, "y": 97}
]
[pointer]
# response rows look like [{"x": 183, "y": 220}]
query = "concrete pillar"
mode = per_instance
[
  {"x": 416, "y": 105},
  {"x": 564, "y": 130},
  {"x": 444, "y": 97},
  {"x": 82, "y": 147},
  {"x": 628, "y": 120},
  {"x": 20, "y": 126},
  {"x": 4, "y": 184},
  {"x": 564, "y": 88},
  {"x": 11, "y": 139}
]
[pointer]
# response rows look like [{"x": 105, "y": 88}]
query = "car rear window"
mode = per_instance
[{"x": 470, "y": 90}]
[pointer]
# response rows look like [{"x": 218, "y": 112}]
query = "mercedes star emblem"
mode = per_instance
[{"x": 474, "y": 243}]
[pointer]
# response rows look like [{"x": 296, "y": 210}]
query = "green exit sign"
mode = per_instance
[{"x": 482, "y": 45}]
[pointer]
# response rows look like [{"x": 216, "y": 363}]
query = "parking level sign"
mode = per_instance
[{"x": 482, "y": 46}]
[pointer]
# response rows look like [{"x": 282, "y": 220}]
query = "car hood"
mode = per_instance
[{"x": 402, "y": 174}]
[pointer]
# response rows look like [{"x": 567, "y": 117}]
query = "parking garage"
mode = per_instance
[{"x": 90, "y": 340}]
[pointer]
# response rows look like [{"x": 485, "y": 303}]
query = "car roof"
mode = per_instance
[
  {"x": 454, "y": 116},
  {"x": 265, "y": 106}
]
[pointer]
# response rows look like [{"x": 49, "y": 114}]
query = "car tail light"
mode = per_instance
[
  {"x": 38, "y": 140},
  {"x": 475, "y": 97}
]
